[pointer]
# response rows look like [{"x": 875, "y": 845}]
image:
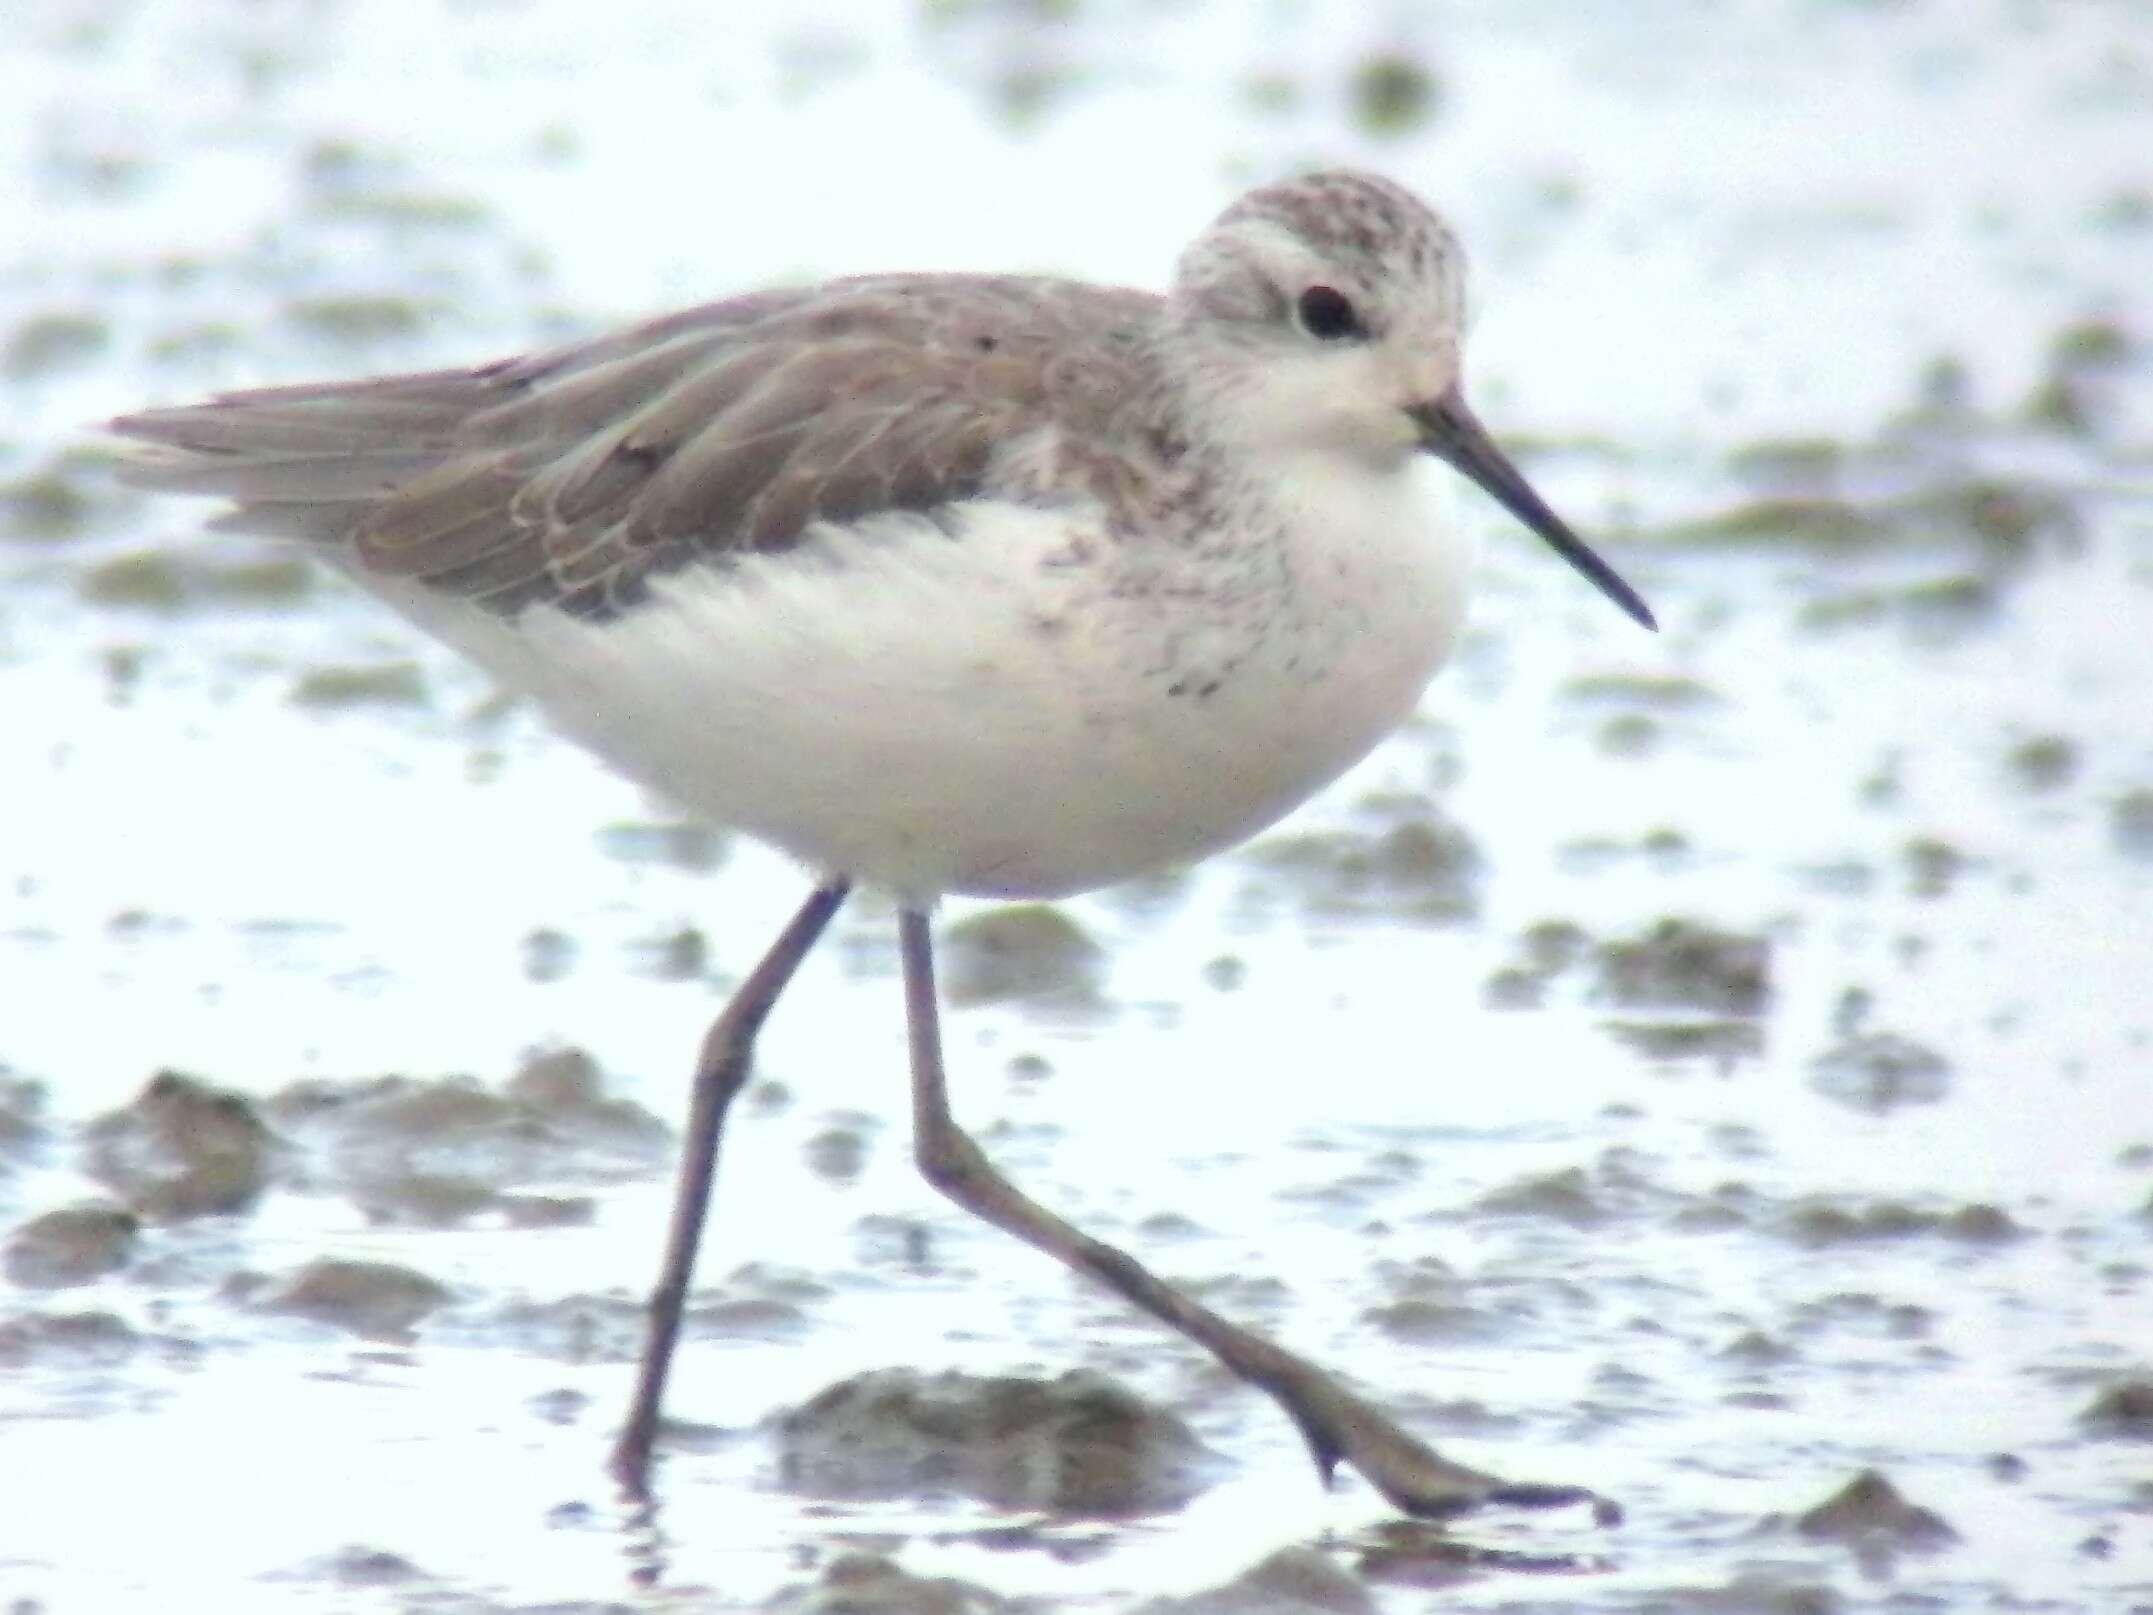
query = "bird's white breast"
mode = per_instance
[{"x": 973, "y": 709}]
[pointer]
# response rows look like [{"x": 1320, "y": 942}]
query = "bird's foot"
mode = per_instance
[{"x": 1342, "y": 1428}]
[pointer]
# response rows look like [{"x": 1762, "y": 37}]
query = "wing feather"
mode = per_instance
[{"x": 570, "y": 478}]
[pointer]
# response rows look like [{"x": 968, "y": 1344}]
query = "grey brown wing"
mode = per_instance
[{"x": 572, "y": 478}]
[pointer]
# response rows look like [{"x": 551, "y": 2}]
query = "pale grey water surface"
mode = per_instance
[{"x": 1830, "y": 319}]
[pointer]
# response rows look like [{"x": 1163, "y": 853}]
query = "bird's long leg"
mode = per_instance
[
  {"x": 1337, "y": 1425},
  {"x": 720, "y": 1073}
]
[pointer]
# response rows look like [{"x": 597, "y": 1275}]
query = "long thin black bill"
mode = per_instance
[{"x": 1451, "y": 432}]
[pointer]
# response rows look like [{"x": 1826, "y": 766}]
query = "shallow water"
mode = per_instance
[{"x": 1830, "y": 319}]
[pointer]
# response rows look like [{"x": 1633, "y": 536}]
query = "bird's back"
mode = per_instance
[{"x": 571, "y": 477}]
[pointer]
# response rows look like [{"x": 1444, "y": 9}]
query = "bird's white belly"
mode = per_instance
[{"x": 947, "y": 714}]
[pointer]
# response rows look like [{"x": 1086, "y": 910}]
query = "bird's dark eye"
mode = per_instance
[{"x": 1328, "y": 315}]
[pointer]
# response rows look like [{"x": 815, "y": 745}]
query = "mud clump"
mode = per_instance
[
  {"x": 2044, "y": 762},
  {"x": 1880, "y": 1071},
  {"x": 375, "y": 1300},
  {"x": 1933, "y": 609},
  {"x": 1418, "y": 868},
  {"x": 357, "y": 1566},
  {"x": 356, "y": 319},
  {"x": 1861, "y": 1315},
  {"x": 57, "y": 340},
  {"x": 1027, "y": 952},
  {"x": 1666, "y": 692},
  {"x": 2087, "y": 366},
  {"x": 1811, "y": 467},
  {"x": 1638, "y": 708},
  {"x": 2121, "y": 1412},
  {"x": 2130, "y": 824},
  {"x": 1871, "y": 1517},
  {"x": 680, "y": 955},
  {"x": 863, "y": 1583},
  {"x": 1819, "y": 522},
  {"x": 1428, "y": 1304},
  {"x": 1424, "y": 1554},
  {"x": 573, "y": 1328},
  {"x": 159, "y": 581},
  {"x": 393, "y": 684},
  {"x": 1565, "y": 1196},
  {"x": 1684, "y": 965},
  {"x": 1820, "y": 1224},
  {"x": 1549, "y": 949},
  {"x": 1753, "y": 1592},
  {"x": 1996, "y": 525},
  {"x": 1392, "y": 95},
  {"x": 428, "y": 1200},
  {"x": 548, "y": 955},
  {"x": 1725, "y": 1043},
  {"x": 670, "y": 844},
  {"x": 1753, "y": 1348},
  {"x": 49, "y": 505},
  {"x": 1932, "y": 865},
  {"x": 438, "y": 1152},
  {"x": 755, "y": 1302},
  {"x": 838, "y": 1153},
  {"x": 66, "y": 1340},
  {"x": 182, "y": 1149},
  {"x": 1292, "y": 1581},
  {"x": 1077, "y": 1446},
  {"x": 72, "y": 1245},
  {"x": 22, "y": 1127},
  {"x": 566, "y": 1086},
  {"x": 759, "y": 1301}
]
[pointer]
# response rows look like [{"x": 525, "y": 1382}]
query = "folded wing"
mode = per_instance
[{"x": 569, "y": 479}]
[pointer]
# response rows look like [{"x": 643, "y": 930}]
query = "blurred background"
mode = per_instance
[{"x": 1710, "y": 1067}]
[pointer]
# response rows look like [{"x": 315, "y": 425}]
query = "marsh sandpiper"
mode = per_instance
[{"x": 997, "y": 585}]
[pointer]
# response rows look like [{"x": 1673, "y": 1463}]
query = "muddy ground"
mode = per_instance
[{"x": 1712, "y": 1068}]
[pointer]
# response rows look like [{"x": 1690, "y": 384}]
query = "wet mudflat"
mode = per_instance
[{"x": 1711, "y": 1068}]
